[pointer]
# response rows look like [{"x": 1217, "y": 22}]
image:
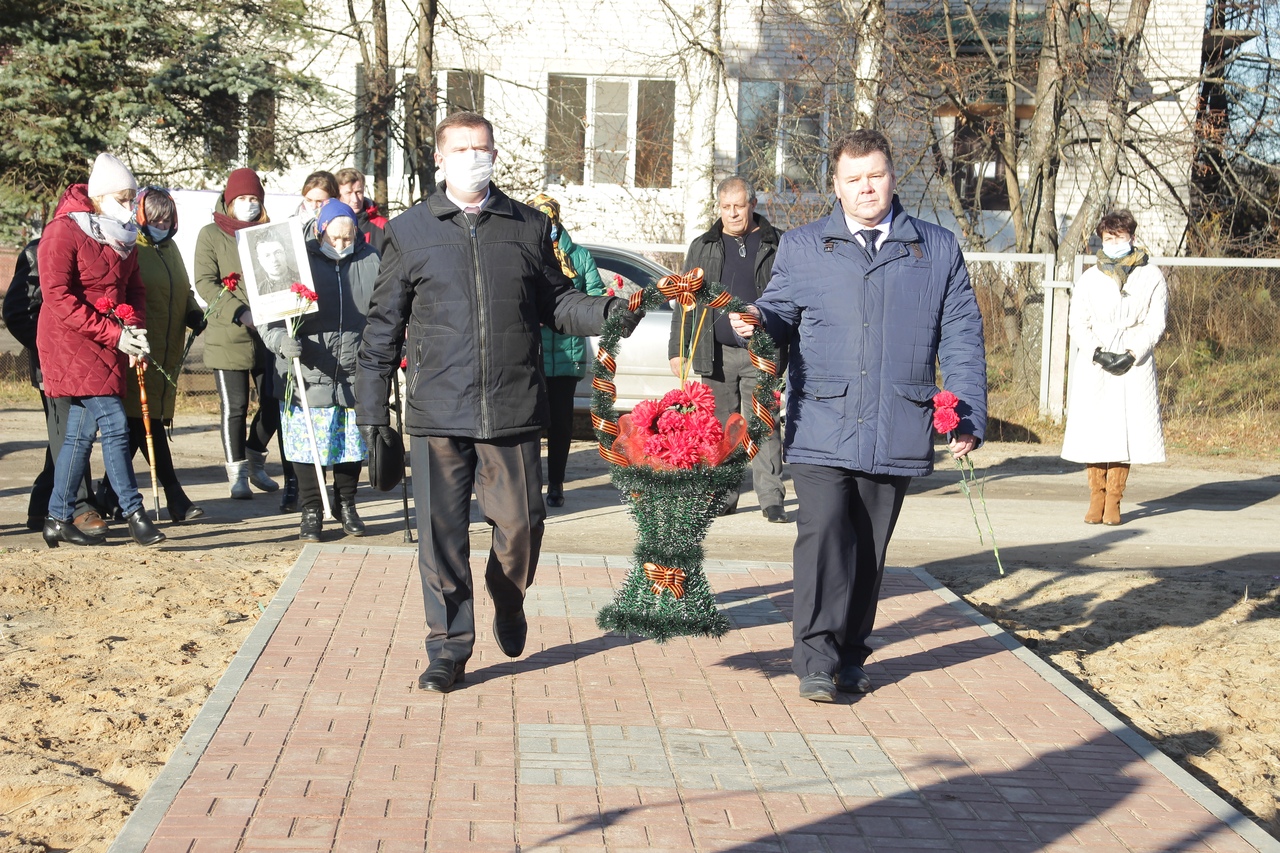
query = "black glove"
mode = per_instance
[
  {"x": 630, "y": 319},
  {"x": 1104, "y": 359},
  {"x": 386, "y": 456},
  {"x": 1121, "y": 363},
  {"x": 195, "y": 320}
]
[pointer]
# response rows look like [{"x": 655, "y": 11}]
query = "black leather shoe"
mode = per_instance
[
  {"x": 289, "y": 500},
  {"x": 184, "y": 510},
  {"x": 143, "y": 531},
  {"x": 818, "y": 687},
  {"x": 442, "y": 675},
  {"x": 55, "y": 531},
  {"x": 853, "y": 679},
  {"x": 35, "y": 523},
  {"x": 728, "y": 510},
  {"x": 107, "y": 501},
  {"x": 775, "y": 514},
  {"x": 312, "y": 520},
  {"x": 511, "y": 632},
  {"x": 555, "y": 495},
  {"x": 352, "y": 525}
]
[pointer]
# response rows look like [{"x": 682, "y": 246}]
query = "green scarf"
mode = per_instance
[{"x": 1119, "y": 268}]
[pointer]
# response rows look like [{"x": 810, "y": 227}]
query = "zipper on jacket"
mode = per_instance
[{"x": 482, "y": 318}]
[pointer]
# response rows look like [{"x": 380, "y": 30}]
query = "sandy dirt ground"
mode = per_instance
[{"x": 1172, "y": 620}]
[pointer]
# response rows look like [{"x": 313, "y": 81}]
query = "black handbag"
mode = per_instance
[{"x": 386, "y": 458}]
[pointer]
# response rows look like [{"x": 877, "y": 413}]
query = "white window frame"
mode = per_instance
[{"x": 633, "y": 119}]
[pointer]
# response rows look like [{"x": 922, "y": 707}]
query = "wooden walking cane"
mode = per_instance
[
  {"x": 404, "y": 480},
  {"x": 311, "y": 436},
  {"x": 151, "y": 444}
]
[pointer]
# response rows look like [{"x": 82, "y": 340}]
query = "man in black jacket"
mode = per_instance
[
  {"x": 22, "y": 304},
  {"x": 738, "y": 252},
  {"x": 470, "y": 276}
]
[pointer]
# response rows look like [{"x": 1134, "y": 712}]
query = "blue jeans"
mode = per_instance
[{"x": 90, "y": 415}]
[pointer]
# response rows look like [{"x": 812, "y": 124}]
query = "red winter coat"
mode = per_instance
[{"x": 76, "y": 342}]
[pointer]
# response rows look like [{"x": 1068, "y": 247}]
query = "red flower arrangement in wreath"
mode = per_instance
[{"x": 679, "y": 431}]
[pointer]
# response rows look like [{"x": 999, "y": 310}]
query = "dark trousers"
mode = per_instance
[
  {"x": 506, "y": 477},
  {"x": 55, "y": 420},
  {"x": 233, "y": 401},
  {"x": 346, "y": 476},
  {"x": 733, "y": 382},
  {"x": 842, "y": 531},
  {"x": 559, "y": 426}
]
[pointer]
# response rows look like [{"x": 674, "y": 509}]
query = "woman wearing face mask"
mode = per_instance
[
  {"x": 1113, "y": 405},
  {"x": 232, "y": 347},
  {"x": 171, "y": 310},
  {"x": 318, "y": 188},
  {"x": 564, "y": 357},
  {"x": 86, "y": 255},
  {"x": 343, "y": 267}
]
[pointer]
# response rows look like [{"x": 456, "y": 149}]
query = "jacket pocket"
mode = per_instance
[
  {"x": 911, "y": 421},
  {"x": 818, "y": 419}
]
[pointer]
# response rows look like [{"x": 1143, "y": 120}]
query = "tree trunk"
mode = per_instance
[
  {"x": 867, "y": 21},
  {"x": 705, "y": 70},
  {"x": 422, "y": 101},
  {"x": 1127, "y": 57},
  {"x": 381, "y": 101}
]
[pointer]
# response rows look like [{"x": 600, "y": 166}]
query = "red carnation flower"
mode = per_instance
[
  {"x": 945, "y": 400},
  {"x": 645, "y": 413},
  {"x": 702, "y": 397},
  {"x": 231, "y": 281},
  {"x": 125, "y": 314},
  {"x": 404, "y": 363},
  {"x": 945, "y": 420},
  {"x": 105, "y": 304},
  {"x": 303, "y": 292}
]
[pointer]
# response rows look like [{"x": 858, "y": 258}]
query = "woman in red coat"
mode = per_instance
[{"x": 90, "y": 285}]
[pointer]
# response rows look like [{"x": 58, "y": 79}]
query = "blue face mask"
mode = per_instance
[
  {"x": 157, "y": 235},
  {"x": 336, "y": 254}
]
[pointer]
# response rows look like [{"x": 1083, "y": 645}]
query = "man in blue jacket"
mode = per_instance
[{"x": 866, "y": 300}]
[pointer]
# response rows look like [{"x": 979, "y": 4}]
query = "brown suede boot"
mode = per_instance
[
  {"x": 1097, "y": 492},
  {"x": 1117, "y": 476}
]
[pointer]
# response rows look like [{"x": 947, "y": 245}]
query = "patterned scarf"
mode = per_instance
[
  {"x": 107, "y": 231},
  {"x": 551, "y": 208},
  {"x": 1119, "y": 268}
]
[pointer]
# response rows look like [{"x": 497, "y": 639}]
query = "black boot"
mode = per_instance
[
  {"x": 312, "y": 519},
  {"x": 351, "y": 523},
  {"x": 107, "y": 501},
  {"x": 289, "y": 500},
  {"x": 143, "y": 530},
  {"x": 56, "y": 531}
]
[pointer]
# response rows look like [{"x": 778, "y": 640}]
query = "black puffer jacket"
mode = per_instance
[
  {"x": 473, "y": 292},
  {"x": 22, "y": 306},
  {"x": 707, "y": 251}
]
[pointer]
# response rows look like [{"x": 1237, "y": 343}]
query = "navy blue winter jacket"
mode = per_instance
[{"x": 863, "y": 339}]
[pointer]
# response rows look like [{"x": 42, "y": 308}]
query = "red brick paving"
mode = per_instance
[{"x": 328, "y": 746}]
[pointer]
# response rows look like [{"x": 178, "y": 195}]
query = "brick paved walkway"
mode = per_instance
[{"x": 318, "y": 740}]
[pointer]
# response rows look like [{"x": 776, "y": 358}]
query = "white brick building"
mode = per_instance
[{"x": 662, "y": 126}]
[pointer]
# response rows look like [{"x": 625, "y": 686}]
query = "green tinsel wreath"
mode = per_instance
[{"x": 673, "y": 509}]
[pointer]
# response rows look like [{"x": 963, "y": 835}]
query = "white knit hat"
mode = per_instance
[{"x": 109, "y": 175}]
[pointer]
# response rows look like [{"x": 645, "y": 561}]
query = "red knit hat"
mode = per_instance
[{"x": 243, "y": 182}]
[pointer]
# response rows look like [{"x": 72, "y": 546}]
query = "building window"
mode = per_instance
[
  {"x": 781, "y": 146},
  {"x": 610, "y": 130},
  {"x": 463, "y": 92},
  {"x": 976, "y": 169}
]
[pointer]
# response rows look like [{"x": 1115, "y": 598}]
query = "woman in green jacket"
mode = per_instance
[
  {"x": 564, "y": 357},
  {"x": 171, "y": 310},
  {"x": 232, "y": 347}
]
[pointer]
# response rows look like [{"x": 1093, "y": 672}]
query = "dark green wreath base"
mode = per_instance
[{"x": 674, "y": 509}]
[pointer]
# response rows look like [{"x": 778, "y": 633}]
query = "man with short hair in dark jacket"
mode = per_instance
[
  {"x": 371, "y": 222},
  {"x": 470, "y": 276},
  {"x": 869, "y": 301},
  {"x": 737, "y": 252}
]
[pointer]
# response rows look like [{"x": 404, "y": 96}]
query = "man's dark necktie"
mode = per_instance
[{"x": 869, "y": 236}]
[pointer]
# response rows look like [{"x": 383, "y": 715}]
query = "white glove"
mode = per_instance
[{"x": 133, "y": 342}]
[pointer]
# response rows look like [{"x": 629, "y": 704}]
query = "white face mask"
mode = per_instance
[
  {"x": 468, "y": 171},
  {"x": 246, "y": 210},
  {"x": 336, "y": 254},
  {"x": 115, "y": 210},
  {"x": 1117, "y": 250}
]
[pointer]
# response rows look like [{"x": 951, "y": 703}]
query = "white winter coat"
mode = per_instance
[{"x": 1115, "y": 418}]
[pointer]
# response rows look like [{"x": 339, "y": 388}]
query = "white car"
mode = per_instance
[{"x": 644, "y": 371}]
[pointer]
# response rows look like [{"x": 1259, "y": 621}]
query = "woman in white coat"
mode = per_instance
[{"x": 1113, "y": 405}]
